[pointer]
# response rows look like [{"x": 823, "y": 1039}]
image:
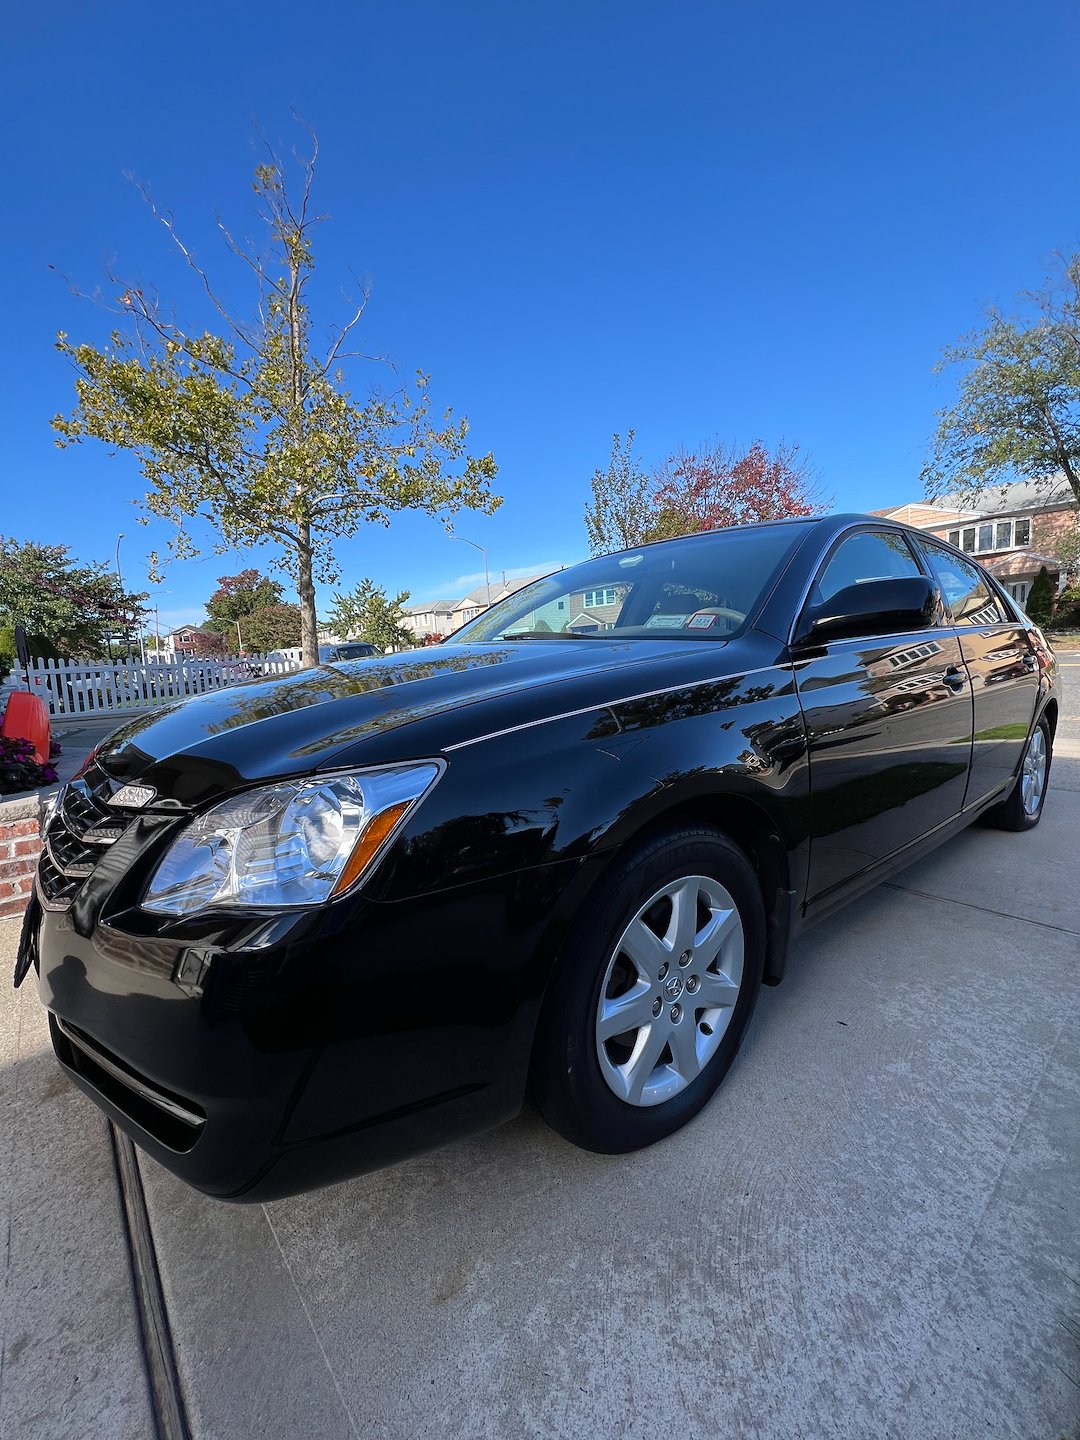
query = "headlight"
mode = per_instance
[{"x": 297, "y": 843}]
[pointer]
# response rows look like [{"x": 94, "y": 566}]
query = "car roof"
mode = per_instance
[{"x": 836, "y": 522}]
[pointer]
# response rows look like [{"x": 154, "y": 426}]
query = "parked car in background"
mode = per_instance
[
  {"x": 346, "y": 650},
  {"x": 329, "y": 654},
  {"x": 305, "y": 927}
]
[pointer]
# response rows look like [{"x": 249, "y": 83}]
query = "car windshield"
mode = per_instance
[{"x": 700, "y": 588}]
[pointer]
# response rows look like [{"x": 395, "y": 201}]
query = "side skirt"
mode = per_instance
[{"x": 832, "y": 900}]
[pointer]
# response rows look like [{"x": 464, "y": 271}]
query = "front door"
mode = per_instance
[
  {"x": 888, "y": 720},
  {"x": 1003, "y": 668}
]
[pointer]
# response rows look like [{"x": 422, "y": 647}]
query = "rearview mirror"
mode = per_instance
[{"x": 875, "y": 607}]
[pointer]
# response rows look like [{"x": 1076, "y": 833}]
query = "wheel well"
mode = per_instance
[
  {"x": 750, "y": 827},
  {"x": 1051, "y": 713}
]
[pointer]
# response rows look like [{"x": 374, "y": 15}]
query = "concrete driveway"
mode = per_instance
[{"x": 872, "y": 1231}]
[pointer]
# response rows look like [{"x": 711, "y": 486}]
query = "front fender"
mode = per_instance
[{"x": 569, "y": 787}]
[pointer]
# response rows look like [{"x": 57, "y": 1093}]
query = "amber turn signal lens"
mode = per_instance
[{"x": 366, "y": 847}]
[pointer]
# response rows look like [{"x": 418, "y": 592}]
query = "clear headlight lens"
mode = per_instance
[{"x": 296, "y": 843}]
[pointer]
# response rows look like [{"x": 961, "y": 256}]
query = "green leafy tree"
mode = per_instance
[
  {"x": 254, "y": 429},
  {"x": 237, "y": 598},
  {"x": 1040, "y": 601},
  {"x": 621, "y": 513},
  {"x": 1018, "y": 410},
  {"x": 366, "y": 613},
  {"x": 1067, "y": 614},
  {"x": 67, "y": 608},
  {"x": 272, "y": 627},
  {"x": 1067, "y": 553}
]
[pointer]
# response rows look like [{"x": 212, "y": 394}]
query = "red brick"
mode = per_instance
[{"x": 28, "y": 847}]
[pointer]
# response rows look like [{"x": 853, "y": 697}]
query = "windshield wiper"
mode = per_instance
[{"x": 555, "y": 635}]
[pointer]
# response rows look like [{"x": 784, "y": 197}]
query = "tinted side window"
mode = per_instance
[
  {"x": 968, "y": 594},
  {"x": 866, "y": 555}
]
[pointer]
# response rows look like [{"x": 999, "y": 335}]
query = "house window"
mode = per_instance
[
  {"x": 992, "y": 535},
  {"x": 593, "y": 599}
]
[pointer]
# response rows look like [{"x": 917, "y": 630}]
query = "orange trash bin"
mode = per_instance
[{"x": 27, "y": 718}]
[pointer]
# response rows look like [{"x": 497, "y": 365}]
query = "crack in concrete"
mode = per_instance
[{"x": 980, "y": 909}]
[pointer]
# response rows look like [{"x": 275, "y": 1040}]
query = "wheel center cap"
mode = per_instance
[{"x": 673, "y": 986}]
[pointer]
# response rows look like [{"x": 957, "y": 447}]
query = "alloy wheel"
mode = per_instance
[
  {"x": 670, "y": 990},
  {"x": 1033, "y": 775}
]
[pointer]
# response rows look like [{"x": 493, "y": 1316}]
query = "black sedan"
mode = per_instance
[{"x": 302, "y": 928}]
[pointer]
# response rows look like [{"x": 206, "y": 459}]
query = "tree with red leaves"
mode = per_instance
[{"x": 716, "y": 486}]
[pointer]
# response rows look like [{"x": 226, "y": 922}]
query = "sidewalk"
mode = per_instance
[
  {"x": 871, "y": 1230},
  {"x": 70, "y": 1356}
]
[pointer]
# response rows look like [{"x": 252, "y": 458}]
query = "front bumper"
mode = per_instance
[{"x": 261, "y": 1057}]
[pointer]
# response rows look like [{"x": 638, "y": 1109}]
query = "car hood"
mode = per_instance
[{"x": 294, "y": 724}]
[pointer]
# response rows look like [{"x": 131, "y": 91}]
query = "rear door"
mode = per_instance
[
  {"x": 1003, "y": 668},
  {"x": 888, "y": 720}
]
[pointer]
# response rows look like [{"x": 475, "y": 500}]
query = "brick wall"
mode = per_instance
[
  {"x": 20, "y": 845},
  {"x": 1049, "y": 528}
]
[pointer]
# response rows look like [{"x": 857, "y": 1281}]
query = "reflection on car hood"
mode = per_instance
[{"x": 293, "y": 723}]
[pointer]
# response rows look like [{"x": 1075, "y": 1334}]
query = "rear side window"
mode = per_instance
[
  {"x": 969, "y": 597},
  {"x": 866, "y": 555}
]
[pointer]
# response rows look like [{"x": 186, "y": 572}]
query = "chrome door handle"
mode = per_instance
[{"x": 954, "y": 678}]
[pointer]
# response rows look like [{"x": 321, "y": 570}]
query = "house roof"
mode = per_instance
[
  {"x": 438, "y": 607},
  {"x": 995, "y": 500},
  {"x": 475, "y": 597},
  {"x": 1021, "y": 562},
  {"x": 499, "y": 591}
]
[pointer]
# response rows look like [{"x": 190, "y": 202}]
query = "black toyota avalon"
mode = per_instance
[{"x": 302, "y": 928}]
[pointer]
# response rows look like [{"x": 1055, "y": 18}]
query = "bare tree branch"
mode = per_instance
[{"x": 165, "y": 219}]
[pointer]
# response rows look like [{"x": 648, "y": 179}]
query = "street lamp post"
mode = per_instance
[
  {"x": 473, "y": 543},
  {"x": 120, "y": 582}
]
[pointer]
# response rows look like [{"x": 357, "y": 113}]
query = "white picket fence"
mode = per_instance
[{"x": 77, "y": 687}]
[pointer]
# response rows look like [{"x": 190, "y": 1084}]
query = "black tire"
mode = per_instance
[
  {"x": 1011, "y": 813},
  {"x": 566, "y": 1081}
]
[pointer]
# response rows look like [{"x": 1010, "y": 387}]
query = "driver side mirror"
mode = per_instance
[{"x": 875, "y": 607}]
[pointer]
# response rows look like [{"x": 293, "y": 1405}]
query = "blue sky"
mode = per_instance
[{"x": 692, "y": 219}]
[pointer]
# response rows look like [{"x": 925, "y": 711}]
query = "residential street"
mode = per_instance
[{"x": 871, "y": 1230}]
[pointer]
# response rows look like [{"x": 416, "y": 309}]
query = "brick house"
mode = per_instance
[
  {"x": 1014, "y": 532},
  {"x": 191, "y": 640}
]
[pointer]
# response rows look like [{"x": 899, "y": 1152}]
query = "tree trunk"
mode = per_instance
[{"x": 305, "y": 586}]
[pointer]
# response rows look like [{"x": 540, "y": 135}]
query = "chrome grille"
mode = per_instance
[{"x": 78, "y": 833}]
